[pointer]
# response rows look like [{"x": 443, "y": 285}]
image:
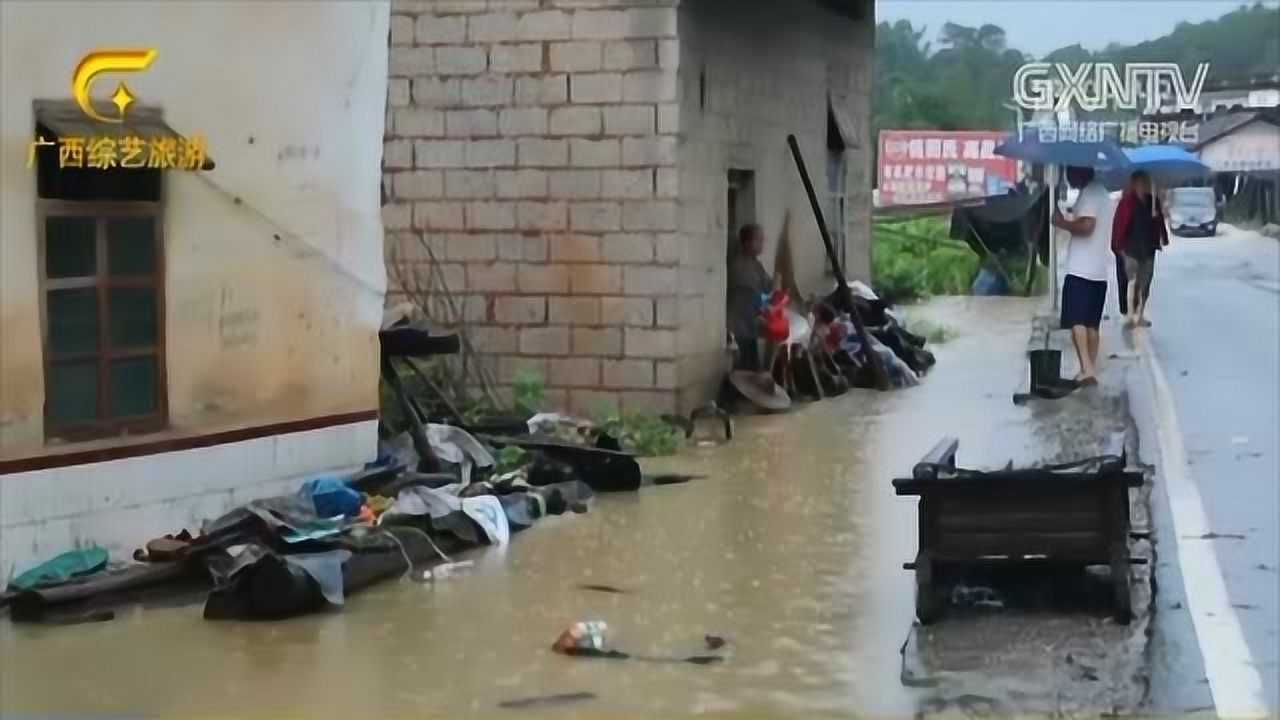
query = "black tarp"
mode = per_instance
[{"x": 1006, "y": 225}]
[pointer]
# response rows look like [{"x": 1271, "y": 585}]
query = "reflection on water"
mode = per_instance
[{"x": 791, "y": 549}]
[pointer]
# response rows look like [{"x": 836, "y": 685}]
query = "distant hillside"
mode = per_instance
[
  {"x": 1240, "y": 44},
  {"x": 965, "y": 82}
]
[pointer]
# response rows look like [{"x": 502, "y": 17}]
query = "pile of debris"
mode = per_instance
[{"x": 293, "y": 554}]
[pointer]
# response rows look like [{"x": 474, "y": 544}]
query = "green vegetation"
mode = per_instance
[
  {"x": 964, "y": 83},
  {"x": 646, "y": 435},
  {"x": 915, "y": 259},
  {"x": 528, "y": 391}
]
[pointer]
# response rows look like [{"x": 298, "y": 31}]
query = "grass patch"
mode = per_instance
[
  {"x": 915, "y": 259},
  {"x": 645, "y": 435}
]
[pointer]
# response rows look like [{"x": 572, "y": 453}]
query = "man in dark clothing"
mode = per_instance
[
  {"x": 1137, "y": 233},
  {"x": 747, "y": 281}
]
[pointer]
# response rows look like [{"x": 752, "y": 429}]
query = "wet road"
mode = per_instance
[
  {"x": 791, "y": 548},
  {"x": 1216, "y": 314}
]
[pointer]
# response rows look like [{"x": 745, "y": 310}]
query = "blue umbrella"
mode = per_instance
[
  {"x": 1104, "y": 155},
  {"x": 1167, "y": 165}
]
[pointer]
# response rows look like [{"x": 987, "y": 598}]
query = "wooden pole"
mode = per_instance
[{"x": 877, "y": 369}]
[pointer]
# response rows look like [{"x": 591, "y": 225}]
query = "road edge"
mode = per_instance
[{"x": 1234, "y": 681}]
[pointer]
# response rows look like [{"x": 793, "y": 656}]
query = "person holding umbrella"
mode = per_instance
[
  {"x": 1137, "y": 233},
  {"x": 1084, "y": 289}
]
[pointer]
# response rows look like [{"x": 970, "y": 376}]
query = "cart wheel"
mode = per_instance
[
  {"x": 1120, "y": 583},
  {"x": 928, "y": 594}
]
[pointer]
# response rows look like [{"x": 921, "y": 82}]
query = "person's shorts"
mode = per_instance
[
  {"x": 1141, "y": 272},
  {"x": 1083, "y": 301}
]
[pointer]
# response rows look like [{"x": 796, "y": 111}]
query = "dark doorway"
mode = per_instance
[{"x": 741, "y": 207}]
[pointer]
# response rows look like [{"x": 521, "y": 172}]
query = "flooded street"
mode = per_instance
[{"x": 790, "y": 548}]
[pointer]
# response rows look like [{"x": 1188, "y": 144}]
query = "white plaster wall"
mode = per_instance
[
  {"x": 291, "y": 99},
  {"x": 121, "y": 504},
  {"x": 769, "y": 67},
  {"x": 1253, "y": 147}
]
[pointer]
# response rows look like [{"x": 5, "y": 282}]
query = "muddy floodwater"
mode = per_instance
[{"x": 790, "y": 548}]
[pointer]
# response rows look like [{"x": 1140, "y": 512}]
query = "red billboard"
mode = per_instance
[{"x": 918, "y": 167}]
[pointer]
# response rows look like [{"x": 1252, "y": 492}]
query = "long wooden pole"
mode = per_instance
[{"x": 877, "y": 369}]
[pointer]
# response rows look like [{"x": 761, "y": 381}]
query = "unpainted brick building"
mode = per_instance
[{"x": 580, "y": 168}]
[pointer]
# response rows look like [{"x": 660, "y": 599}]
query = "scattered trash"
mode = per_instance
[
  {"x": 447, "y": 570},
  {"x": 68, "y": 565},
  {"x": 978, "y": 596},
  {"x": 673, "y": 479},
  {"x": 547, "y": 701},
  {"x": 604, "y": 589},
  {"x": 590, "y": 640},
  {"x": 582, "y": 637}
]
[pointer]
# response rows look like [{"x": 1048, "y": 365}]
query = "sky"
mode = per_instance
[{"x": 1042, "y": 26}]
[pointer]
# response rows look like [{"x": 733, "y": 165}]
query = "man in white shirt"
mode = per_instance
[{"x": 1089, "y": 258}]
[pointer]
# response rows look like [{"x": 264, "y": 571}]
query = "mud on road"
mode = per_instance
[{"x": 1045, "y": 643}]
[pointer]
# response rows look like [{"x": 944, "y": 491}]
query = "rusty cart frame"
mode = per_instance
[{"x": 1072, "y": 516}]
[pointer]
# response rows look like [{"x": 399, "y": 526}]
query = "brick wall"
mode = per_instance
[
  {"x": 537, "y": 145},
  {"x": 752, "y": 72},
  {"x": 524, "y": 143}
]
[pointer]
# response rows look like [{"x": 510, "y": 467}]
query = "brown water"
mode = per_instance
[{"x": 791, "y": 549}]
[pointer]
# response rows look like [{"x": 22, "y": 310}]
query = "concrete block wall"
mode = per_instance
[
  {"x": 752, "y": 72},
  {"x": 533, "y": 144}
]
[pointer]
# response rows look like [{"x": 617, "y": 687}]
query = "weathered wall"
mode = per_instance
[
  {"x": 1253, "y": 147},
  {"x": 273, "y": 261},
  {"x": 274, "y": 274},
  {"x": 752, "y": 72},
  {"x": 556, "y": 157},
  {"x": 532, "y": 145}
]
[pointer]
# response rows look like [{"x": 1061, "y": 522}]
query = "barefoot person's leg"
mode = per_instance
[
  {"x": 1134, "y": 274},
  {"x": 1145, "y": 276},
  {"x": 1082, "y": 302}
]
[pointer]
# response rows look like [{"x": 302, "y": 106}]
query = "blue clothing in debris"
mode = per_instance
[
  {"x": 332, "y": 497},
  {"x": 62, "y": 568}
]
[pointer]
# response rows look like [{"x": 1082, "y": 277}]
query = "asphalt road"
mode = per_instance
[{"x": 1216, "y": 331}]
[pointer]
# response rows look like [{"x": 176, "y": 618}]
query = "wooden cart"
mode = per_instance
[{"x": 1071, "y": 515}]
